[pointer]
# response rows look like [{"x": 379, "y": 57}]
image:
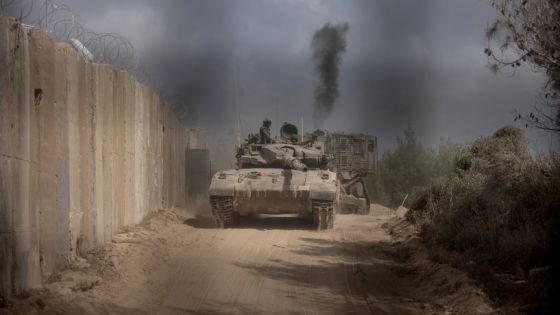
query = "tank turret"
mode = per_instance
[{"x": 287, "y": 153}]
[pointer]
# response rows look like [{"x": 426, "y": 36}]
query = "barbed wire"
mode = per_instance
[{"x": 62, "y": 24}]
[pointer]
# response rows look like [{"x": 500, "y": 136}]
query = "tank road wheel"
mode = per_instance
[
  {"x": 331, "y": 218},
  {"x": 222, "y": 210},
  {"x": 315, "y": 216},
  {"x": 323, "y": 214}
]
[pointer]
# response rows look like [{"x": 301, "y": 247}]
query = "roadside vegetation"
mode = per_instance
[
  {"x": 403, "y": 173},
  {"x": 488, "y": 207},
  {"x": 498, "y": 207}
]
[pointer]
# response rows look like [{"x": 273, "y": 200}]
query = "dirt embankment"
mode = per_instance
[{"x": 177, "y": 263}]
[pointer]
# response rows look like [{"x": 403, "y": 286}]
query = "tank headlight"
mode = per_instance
[
  {"x": 325, "y": 176},
  {"x": 222, "y": 176}
]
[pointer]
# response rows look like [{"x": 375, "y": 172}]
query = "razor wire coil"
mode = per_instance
[{"x": 62, "y": 24}]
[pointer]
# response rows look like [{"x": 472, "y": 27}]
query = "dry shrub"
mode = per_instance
[{"x": 499, "y": 207}]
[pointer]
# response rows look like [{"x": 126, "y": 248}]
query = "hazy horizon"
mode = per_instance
[{"x": 421, "y": 62}]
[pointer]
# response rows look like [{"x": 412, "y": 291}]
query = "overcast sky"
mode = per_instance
[{"x": 406, "y": 60}]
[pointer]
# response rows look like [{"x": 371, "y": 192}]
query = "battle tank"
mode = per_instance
[{"x": 286, "y": 177}]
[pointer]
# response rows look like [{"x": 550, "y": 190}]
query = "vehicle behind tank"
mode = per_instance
[
  {"x": 354, "y": 156},
  {"x": 287, "y": 177}
]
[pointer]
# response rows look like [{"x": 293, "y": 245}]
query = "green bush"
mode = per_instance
[
  {"x": 498, "y": 206},
  {"x": 408, "y": 169}
]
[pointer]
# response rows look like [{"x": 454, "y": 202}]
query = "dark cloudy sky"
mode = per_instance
[{"x": 406, "y": 60}]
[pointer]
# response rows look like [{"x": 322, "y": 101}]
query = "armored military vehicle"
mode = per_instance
[
  {"x": 354, "y": 156},
  {"x": 285, "y": 177}
]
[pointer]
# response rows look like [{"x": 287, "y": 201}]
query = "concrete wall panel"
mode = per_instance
[
  {"x": 72, "y": 61},
  {"x": 139, "y": 148},
  {"x": 61, "y": 147},
  {"x": 15, "y": 158},
  {"x": 86, "y": 240},
  {"x": 129, "y": 148},
  {"x": 106, "y": 96},
  {"x": 5, "y": 64},
  {"x": 44, "y": 146},
  {"x": 6, "y": 262}
]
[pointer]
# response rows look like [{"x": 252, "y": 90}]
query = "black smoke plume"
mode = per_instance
[{"x": 328, "y": 45}]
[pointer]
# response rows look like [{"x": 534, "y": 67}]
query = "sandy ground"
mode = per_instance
[{"x": 177, "y": 263}]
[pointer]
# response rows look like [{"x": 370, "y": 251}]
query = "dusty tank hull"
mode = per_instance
[{"x": 312, "y": 193}]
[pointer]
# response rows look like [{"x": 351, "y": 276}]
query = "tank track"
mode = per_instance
[
  {"x": 222, "y": 210},
  {"x": 323, "y": 214}
]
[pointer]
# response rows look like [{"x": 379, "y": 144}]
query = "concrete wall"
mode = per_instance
[{"x": 84, "y": 151}]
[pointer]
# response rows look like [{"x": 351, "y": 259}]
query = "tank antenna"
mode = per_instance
[
  {"x": 301, "y": 128},
  {"x": 237, "y": 103}
]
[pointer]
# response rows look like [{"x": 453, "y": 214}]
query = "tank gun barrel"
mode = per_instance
[{"x": 294, "y": 163}]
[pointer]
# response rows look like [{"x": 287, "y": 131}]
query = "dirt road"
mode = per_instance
[
  {"x": 179, "y": 264},
  {"x": 280, "y": 266}
]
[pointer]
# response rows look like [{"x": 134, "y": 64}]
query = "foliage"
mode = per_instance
[
  {"x": 529, "y": 32},
  {"x": 499, "y": 206},
  {"x": 409, "y": 168}
]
